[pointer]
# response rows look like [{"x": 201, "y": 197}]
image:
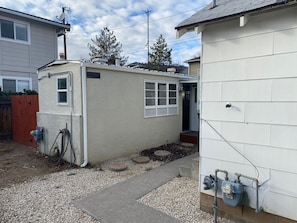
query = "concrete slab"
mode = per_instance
[{"x": 118, "y": 203}]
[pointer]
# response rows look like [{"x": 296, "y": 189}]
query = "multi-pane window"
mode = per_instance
[
  {"x": 14, "y": 30},
  {"x": 62, "y": 90},
  {"x": 160, "y": 99}
]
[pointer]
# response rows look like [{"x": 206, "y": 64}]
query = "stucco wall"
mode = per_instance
[
  {"x": 254, "y": 68},
  {"x": 52, "y": 124},
  {"x": 116, "y": 123},
  {"x": 54, "y": 117},
  {"x": 48, "y": 94}
]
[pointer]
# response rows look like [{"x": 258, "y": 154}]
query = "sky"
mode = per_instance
[{"x": 126, "y": 18}]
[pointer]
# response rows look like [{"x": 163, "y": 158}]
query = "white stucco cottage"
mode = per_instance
[
  {"x": 110, "y": 111},
  {"x": 249, "y": 104}
]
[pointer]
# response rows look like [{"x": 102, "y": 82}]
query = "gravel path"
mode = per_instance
[{"x": 49, "y": 198}]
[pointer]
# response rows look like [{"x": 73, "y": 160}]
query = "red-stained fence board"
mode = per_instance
[{"x": 24, "y": 108}]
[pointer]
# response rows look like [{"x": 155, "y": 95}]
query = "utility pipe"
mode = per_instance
[
  {"x": 258, "y": 209},
  {"x": 85, "y": 118},
  {"x": 71, "y": 111},
  {"x": 215, "y": 202}
]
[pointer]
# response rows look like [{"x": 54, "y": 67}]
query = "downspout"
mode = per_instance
[{"x": 84, "y": 110}]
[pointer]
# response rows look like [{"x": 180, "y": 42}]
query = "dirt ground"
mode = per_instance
[{"x": 19, "y": 163}]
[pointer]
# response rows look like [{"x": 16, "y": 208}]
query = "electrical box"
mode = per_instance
[{"x": 232, "y": 193}]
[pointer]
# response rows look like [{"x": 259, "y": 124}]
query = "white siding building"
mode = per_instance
[
  {"x": 27, "y": 42},
  {"x": 249, "y": 54}
]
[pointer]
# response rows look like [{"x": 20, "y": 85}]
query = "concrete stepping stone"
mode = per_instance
[
  {"x": 117, "y": 167},
  {"x": 187, "y": 145},
  {"x": 141, "y": 159},
  {"x": 162, "y": 153}
]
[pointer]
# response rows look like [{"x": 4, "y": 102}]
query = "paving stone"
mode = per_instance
[
  {"x": 117, "y": 167},
  {"x": 141, "y": 159},
  {"x": 187, "y": 145},
  {"x": 162, "y": 153}
]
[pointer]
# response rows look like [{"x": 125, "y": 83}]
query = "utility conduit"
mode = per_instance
[
  {"x": 258, "y": 209},
  {"x": 85, "y": 118}
]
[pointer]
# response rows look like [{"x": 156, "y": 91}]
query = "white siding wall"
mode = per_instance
[{"x": 254, "y": 68}]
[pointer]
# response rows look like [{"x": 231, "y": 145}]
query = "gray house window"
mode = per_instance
[
  {"x": 9, "y": 85},
  {"x": 14, "y": 30},
  {"x": 160, "y": 98},
  {"x": 62, "y": 90},
  {"x": 15, "y": 85},
  {"x": 21, "y": 32},
  {"x": 7, "y": 30}
]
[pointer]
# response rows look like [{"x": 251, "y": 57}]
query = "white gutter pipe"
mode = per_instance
[{"x": 85, "y": 117}]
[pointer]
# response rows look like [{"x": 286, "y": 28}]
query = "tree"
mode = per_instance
[
  {"x": 161, "y": 55},
  {"x": 106, "y": 46}
]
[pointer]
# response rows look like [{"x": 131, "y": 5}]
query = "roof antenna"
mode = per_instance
[{"x": 214, "y": 4}]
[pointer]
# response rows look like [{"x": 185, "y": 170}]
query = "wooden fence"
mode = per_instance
[
  {"x": 5, "y": 118},
  {"x": 23, "y": 109}
]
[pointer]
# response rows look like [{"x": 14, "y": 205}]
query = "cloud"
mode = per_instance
[{"x": 126, "y": 18}]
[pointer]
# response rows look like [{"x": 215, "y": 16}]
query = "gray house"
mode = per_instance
[
  {"x": 248, "y": 108},
  {"x": 27, "y": 42}
]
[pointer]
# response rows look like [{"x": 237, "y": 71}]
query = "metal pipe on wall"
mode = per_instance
[{"x": 85, "y": 118}]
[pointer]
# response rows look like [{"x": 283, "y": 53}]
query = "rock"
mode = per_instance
[{"x": 141, "y": 159}]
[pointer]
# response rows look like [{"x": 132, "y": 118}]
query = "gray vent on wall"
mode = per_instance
[{"x": 93, "y": 75}]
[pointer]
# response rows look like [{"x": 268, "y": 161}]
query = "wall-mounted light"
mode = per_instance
[{"x": 228, "y": 105}]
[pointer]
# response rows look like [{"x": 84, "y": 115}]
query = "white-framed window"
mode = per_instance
[
  {"x": 13, "y": 30},
  {"x": 15, "y": 84},
  {"x": 62, "y": 90},
  {"x": 160, "y": 98}
]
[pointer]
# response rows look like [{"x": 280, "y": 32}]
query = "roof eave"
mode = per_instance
[
  {"x": 35, "y": 18},
  {"x": 183, "y": 29}
]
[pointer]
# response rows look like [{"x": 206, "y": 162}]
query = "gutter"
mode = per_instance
[{"x": 85, "y": 118}]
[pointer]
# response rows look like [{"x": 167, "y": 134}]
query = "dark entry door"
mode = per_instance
[{"x": 186, "y": 108}]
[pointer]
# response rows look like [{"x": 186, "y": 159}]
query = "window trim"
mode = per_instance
[
  {"x": 16, "y": 79},
  {"x": 156, "y": 105},
  {"x": 15, "y": 23},
  {"x": 62, "y": 90}
]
